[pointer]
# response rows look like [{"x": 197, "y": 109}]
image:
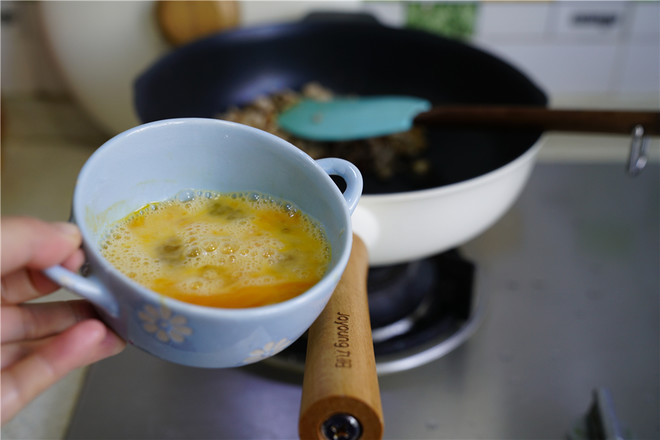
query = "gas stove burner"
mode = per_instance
[{"x": 420, "y": 311}]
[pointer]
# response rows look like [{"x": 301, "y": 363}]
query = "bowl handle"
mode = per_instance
[
  {"x": 351, "y": 175},
  {"x": 89, "y": 288}
]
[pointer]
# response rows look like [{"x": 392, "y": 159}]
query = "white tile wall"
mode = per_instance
[
  {"x": 645, "y": 17},
  {"x": 639, "y": 68},
  {"x": 585, "y": 48},
  {"x": 511, "y": 20}
]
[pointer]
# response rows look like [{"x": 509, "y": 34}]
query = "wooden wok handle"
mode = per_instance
[
  {"x": 599, "y": 121},
  {"x": 340, "y": 369}
]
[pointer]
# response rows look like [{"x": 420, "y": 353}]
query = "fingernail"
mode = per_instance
[
  {"x": 114, "y": 343},
  {"x": 67, "y": 228}
]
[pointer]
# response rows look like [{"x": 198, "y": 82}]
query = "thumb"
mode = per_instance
[{"x": 29, "y": 242}]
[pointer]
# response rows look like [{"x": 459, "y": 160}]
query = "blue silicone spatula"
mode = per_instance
[
  {"x": 342, "y": 119},
  {"x": 347, "y": 118}
]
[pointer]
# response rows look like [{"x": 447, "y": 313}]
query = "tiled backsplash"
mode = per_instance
[
  {"x": 583, "y": 47},
  {"x": 571, "y": 48}
]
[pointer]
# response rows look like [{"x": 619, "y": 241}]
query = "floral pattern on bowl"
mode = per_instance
[
  {"x": 163, "y": 324},
  {"x": 268, "y": 350}
]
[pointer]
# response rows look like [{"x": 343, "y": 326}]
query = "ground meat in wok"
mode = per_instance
[{"x": 384, "y": 156}]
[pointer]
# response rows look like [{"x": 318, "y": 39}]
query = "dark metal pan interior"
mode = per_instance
[{"x": 206, "y": 77}]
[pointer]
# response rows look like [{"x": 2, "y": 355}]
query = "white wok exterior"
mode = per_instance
[{"x": 403, "y": 227}]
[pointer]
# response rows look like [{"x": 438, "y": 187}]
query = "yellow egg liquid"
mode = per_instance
[{"x": 221, "y": 250}]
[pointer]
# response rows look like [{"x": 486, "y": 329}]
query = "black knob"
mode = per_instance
[{"x": 342, "y": 426}]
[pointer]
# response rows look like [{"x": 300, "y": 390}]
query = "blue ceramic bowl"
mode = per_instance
[{"x": 155, "y": 161}]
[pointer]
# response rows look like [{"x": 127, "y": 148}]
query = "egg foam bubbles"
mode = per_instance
[{"x": 229, "y": 250}]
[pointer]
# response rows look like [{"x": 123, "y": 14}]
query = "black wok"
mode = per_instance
[{"x": 476, "y": 173}]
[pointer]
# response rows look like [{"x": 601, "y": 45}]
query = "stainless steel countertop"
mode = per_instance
[{"x": 571, "y": 288}]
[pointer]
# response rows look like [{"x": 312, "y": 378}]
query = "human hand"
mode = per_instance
[{"x": 42, "y": 342}]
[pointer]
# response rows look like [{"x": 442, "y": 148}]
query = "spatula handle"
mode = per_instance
[
  {"x": 598, "y": 121},
  {"x": 340, "y": 370}
]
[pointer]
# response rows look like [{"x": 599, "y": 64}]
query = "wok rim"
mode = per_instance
[{"x": 463, "y": 185}]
